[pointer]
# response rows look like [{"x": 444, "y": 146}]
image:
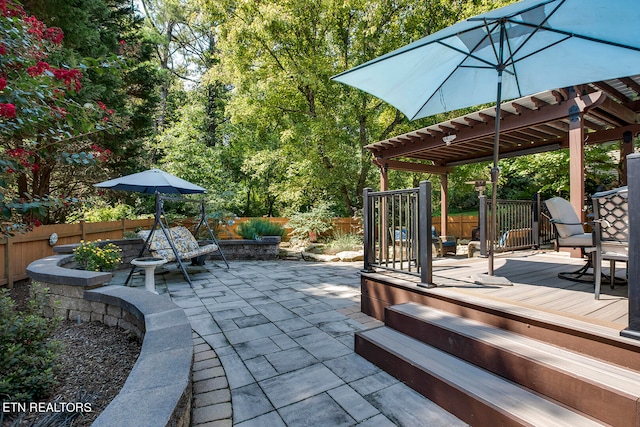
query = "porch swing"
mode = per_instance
[{"x": 177, "y": 243}]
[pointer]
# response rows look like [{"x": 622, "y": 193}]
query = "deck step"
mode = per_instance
[
  {"x": 589, "y": 385},
  {"x": 474, "y": 395}
]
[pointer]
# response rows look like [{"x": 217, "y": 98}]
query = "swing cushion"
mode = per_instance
[{"x": 186, "y": 245}]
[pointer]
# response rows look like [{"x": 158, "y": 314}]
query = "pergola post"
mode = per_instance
[
  {"x": 384, "y": 177},
  {"x": 444, "y": 203},
  {"x": 576, "y": 160}
]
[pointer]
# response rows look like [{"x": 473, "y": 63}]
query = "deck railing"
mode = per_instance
[
  {"x": 521, "y": 224},
  {"x": 397, "y": 231}
]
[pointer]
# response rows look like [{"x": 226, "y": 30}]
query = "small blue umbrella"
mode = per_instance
[
  {"x": 151, "y": 182},
  {"x": 518, "y": 50}
]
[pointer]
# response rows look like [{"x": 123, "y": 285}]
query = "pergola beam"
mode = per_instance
[
  {"x": 543, "y": 115},
  {"x": 413, "y": 167}
]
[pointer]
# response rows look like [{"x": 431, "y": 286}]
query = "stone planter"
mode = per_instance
[
  {"x": 265, "y": 249},
  {"x": 130, "y": 249}
]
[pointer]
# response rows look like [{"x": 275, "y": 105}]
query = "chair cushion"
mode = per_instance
[
  {"x": 577, "y": 240},
  {"x": 565, "y": 218},
  {"x": 184, "y": 242}
]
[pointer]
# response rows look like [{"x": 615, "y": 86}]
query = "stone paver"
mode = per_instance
[{"x": 273, "y": 346}]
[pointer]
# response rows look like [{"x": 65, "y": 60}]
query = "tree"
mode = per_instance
[
  {"x": 40, "y": 123},
  {"x": 187, "y": 153},
  {"x": 279, "y": 57}
]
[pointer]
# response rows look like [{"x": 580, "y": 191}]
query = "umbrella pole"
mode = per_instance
[
  {"x": 490, "y": 278},
  {"x": 495, "y": 173}
]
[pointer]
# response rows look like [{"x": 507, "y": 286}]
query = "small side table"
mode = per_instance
[{"x": 149, "y": 264}]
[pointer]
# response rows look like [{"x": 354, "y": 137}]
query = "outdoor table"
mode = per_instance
[{"x": 149, "y": 264}]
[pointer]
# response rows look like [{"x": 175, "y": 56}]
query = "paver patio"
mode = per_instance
[{"x": 273, "y": 345}]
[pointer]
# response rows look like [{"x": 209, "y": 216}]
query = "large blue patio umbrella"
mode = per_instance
[{"x": 511, "y": 52}]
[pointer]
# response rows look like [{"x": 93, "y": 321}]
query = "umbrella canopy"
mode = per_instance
[
  {"x": 537, "y": 45},
  {"x": 511, "y": 52},
  {"x": 152, "y": 181}
]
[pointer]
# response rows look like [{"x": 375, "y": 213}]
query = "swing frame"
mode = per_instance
[{"x": 159, "y": 225}]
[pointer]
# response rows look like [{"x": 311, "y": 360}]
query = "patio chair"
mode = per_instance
[
  {"x": 444, "y": 244},
  {"x": 611, "y": 215},
  {"x": 569, "y": 233}
]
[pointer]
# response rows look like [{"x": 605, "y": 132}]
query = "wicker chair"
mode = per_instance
[{"x": 611, "y": 215}]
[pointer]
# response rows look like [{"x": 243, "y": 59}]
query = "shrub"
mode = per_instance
[
  {"x": 27, "y": 356},
  {"x": 256, "y": 228},
  {"x": 110, "y": 213},
  {"x": 316, "y": 221},
  {"x": 92, "y": 257},
  {"x": 97, "y": 210},
  {"x": 344, "y": 242}
]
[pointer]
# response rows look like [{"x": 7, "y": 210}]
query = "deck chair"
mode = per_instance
[
  {"x": 611, "y": 231},
  {"x": 569, "y": 233},
  {"x": 443, "y": 244}
]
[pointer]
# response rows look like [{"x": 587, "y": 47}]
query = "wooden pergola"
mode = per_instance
[{"x": 595, "y": 113}]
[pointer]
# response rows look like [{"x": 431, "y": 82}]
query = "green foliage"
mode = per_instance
[
  {"x": 42, "y": 122},
  {"x": 102, "y": 38},
  {"x": 256, "y": 228},
  {"x": 297, "y": 138},
  {"x": 316, "y": 220},
  {"x": 95, "y": 256},
  {"x": 110, "y": 213},
  {"x": 344, "y": 242},
  {"x": 27, "y": 355},
  {"x": 99, "y": 211}
]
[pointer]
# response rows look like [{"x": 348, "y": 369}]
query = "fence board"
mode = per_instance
[{"x": 460, "y": 226}]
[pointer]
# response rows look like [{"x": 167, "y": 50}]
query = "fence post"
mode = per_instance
[
  {"x": 8, "y": 270},
  {"x": 367, "y": 229},
  {"x": 425, "y": 253},
  {"x": 633, "y": 181},
  {"x": 482, "y": 213}
]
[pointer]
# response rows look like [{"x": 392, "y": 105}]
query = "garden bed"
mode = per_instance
[{"x": 107, "y": 356}]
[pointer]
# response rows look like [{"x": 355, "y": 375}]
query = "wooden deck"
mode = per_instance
[{"x": 536, "y": 285}]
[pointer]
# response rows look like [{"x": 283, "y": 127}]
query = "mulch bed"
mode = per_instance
[{"x": 93, "y": 365}]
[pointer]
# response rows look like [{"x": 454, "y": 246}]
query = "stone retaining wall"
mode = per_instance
[
  {"x": 265, "y": 249},
  {"x": 158, "y": 389},
  {"x": 66, "y": 286}
]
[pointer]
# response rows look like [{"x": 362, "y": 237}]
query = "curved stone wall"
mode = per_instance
[{"x": 158, "y": 389}]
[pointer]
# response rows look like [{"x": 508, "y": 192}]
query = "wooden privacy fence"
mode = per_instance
[
  {"x": 22, "y": 249},
  {"x": 461, "y": 226},
  {"x": 19, "y": 251}
]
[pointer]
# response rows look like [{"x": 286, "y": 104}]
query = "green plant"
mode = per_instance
[
  {"x": 130, "y": 235},
  {"x": 344, "y": 242},
  {"x": 93, "y": 256},
  {"x": 110, "y": 213},
  {"x": 27, "y": 355},
  {"x": 256, "y": 228},
  {"x": 316, "y": 221}
]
